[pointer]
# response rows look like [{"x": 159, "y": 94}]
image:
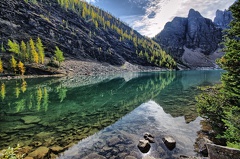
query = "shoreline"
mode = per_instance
[{"x": 71, "y": 68}]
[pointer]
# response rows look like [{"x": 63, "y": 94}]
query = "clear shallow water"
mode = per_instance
[{"x": 60, "y": 112}]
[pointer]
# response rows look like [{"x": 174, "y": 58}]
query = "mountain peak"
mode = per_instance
[
  {"x": 194, "y": 13},
  {"x": 223, "y": 18},
  {"x": 193, "y": 35}
]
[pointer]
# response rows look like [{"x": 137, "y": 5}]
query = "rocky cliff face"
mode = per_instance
[
  {"x": 192, "y": 34},
  {"x": 223, "y": 18},
  {"x": 77, "y": 37}
]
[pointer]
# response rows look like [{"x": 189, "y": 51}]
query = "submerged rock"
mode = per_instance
[
  {"x": 31, "y": 119},
  {"x": 113, "y": 141},
  {"x": 130, "y": 157},
  {"x": 169, "y": 142},
  {"x": 22, "y": 127},
  {"x": 41, "y": 152},
  {"x": 144, "y": 146},
  {"x": 44, "y": 135},
  {"x": 57, "y": 149},
  {"x": 148, "y": 157},
  {"x": 37, "y": 143},
  {"x": 95, "y": 156}
]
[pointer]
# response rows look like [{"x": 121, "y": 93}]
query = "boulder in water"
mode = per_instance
[
  {"x": 144, "y": 146},
  {"x": 170, "y": 142}
]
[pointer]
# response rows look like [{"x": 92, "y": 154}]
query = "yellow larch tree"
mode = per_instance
[
  {"x": 21, "y": 67},
  {"x": 34, "y": 54},
  {"x": 1, "y": 66}
]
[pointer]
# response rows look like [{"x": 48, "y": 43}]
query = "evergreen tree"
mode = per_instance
[
  {"x": 23, "y": 50},
  {"x": 221, "y": 104},
  {"x": 231, "y": 79},
  {"x": 34, "y": 54},
  {"x": 40, "y": 50},
  {"x": 231, "y": 60},
  {"x": 13, "y": 47},
  {"x": 59, "y": 55},
  {"x": 28, "y": 53},
  {"x": 13, "y": 63},
  {"x": 2, "y": 48}
]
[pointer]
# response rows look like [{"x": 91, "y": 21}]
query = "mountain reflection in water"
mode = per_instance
[
  {"x": 121, "y": 138},
  {"x": 61, "y": 112}
]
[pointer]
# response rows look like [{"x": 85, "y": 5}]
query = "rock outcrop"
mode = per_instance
[
  {"x": 223, "y": 18},
  {"x": 195, "y": 33}
]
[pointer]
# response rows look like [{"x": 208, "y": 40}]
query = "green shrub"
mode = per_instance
[{"x": 11, "y": 153}]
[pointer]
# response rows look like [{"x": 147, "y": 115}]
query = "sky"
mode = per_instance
[{"x": 148, "y": 17}]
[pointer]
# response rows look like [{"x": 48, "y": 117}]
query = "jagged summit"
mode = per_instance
[
  {"x": 223, "y": 18},
  {"x": 191, "y": 34},
  {"x": 193, "y": 13}
]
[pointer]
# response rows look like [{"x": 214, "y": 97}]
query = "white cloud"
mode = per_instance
[
  {"x": 91, "y": 1},
  {"x": 166, "y": 10}
]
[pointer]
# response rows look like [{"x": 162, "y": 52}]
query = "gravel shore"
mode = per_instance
[{"x": 72, "y": 67}]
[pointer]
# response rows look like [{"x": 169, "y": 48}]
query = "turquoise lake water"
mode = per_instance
[{"x": 106, "y": 115}]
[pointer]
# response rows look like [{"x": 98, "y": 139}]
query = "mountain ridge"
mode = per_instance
[{"x": 80, "y": 30}]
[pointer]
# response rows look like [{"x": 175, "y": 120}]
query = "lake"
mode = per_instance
[{"x": 103, "y": 115}]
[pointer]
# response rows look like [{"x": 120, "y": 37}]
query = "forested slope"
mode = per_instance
[{"x": 80, "y": 30}]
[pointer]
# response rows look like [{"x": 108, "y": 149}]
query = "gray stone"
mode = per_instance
[
  {"x": 170, "y": 142},
  {"x": 149, "y": 137},
  {"x": 148, "y": 157},
  {"x": 107, "y": 149},
  {"x": 144, "y": 146},
  {"x": 221, "y": 152},
  {"x": 130, "y": 157},
  {"x": 95, "y": 156},
  {"x": 202, "y": 145},
  {"x": 122, "y": 155},
  {"x": 113, "y": 141},
  {"x": 190, "y": 157}
]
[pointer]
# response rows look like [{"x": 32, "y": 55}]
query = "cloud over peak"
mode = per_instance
[{"x": 149, "y": 16}]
